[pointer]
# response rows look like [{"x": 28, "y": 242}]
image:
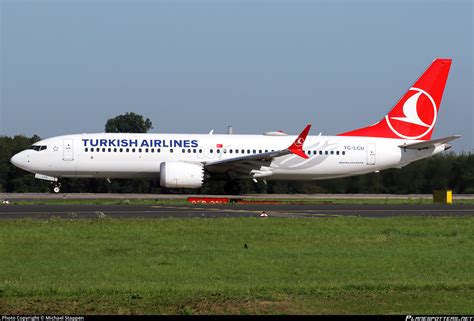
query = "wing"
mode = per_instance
[
  {"x": 429, "y": 143},
  {"x": 257, "y": 165}
]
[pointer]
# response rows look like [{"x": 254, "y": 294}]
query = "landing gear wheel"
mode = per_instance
[
  {"x": 56, "y": 187},
  {"x": 232, "y": 187}
]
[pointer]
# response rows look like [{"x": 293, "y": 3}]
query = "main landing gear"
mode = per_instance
[
  {"x": 55, "y": 187},
  {"x": 232, "y": 187}
]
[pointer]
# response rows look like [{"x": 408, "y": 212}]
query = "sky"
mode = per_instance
[{"x": 196, "y": 65}]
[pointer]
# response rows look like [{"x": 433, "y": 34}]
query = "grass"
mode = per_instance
[
  {"x": 308, "y": 201},
  {"x": 414, "y": 265}
]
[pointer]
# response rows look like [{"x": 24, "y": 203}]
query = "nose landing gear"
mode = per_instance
[{"x": 55, "y": 187}]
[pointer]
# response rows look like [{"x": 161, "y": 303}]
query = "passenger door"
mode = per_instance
[
  {"x": 371, "y": 154},
  {"x": 68, "y": 150}
]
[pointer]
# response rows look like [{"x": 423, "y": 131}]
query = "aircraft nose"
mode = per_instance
[
  {"x": 15, "y": 160},
  {"x": 20, "y": 160}
]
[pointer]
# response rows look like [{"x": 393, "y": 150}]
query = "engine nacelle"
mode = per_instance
[{"x": 181, "y": 175}]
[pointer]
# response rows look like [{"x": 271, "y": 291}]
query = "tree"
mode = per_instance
[
  {"x": 128, "y": 123},
  {"x": 13, "y": 179}
]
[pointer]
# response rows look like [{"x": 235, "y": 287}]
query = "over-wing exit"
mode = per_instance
[{"x": 190, "y": 160}]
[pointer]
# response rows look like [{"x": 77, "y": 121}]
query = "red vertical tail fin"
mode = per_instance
[{"x": 414, "y": 115}]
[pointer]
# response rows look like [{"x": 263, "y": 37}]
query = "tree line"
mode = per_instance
[{"x": 443, "y": 171}]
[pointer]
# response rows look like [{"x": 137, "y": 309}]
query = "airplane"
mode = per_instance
[{"x": 402, "y": 136}]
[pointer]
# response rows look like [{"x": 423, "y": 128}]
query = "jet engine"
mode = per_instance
[{"x": 181, "y": 175}]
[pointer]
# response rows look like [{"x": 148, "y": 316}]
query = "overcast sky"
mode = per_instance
[{"x": 191, "y": 66}]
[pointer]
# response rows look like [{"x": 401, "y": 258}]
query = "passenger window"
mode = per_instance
[
  {"x": 92, "y": 149},
  {"x": 121, "y": 150},
  {"x": 86, "y": 149},
  {"x": 337, "y": 153},
  {"x": 200, "y": 151},
  {"x": 171, "y": 150},
  {"x": 325, "y": 152},
  {"x": 320, "y": 152},
  {"x": 158, "y": 150},
  {"x": 127, "y": 150},
  {"x": 194, "y": 151},
  {"x": 332, "y": 152},
  {"x": 260, "y": 151},
  {"x": 133, "y": 150},
  {"x": 183, "y": 151},
  {"x": 152, "y": 150},
  {"x": 218, "y": 151},
  {"x": 109, "y": 150},
  {"x": 343, "y": 153},
  {"x": 103, "y": 149},
  {"x": 230, "y": 151},
  {"x": 115, "y": 150},
  {"x": 212, "y": 151}
]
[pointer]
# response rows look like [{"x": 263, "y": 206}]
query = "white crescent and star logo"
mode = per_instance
[
  {"x": 411, "y": 116},
  {"x": 299, "y": 141}
]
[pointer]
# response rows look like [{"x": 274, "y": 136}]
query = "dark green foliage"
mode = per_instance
[
  {"x": 13, "y": 179},
  {"x": 450, "y": 170},
  {"x": 128, "y": 123}
]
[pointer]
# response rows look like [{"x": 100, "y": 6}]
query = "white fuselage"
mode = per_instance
[{"x": 110, "y": 155}]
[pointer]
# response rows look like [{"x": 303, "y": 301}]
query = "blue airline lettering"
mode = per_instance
[{"x": 135, "y": 143}]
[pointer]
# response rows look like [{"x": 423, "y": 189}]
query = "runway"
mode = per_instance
[{"x": 234, "y": 210}]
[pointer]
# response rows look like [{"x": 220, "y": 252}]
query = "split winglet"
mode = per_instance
[{"x": 297, "y": 146}]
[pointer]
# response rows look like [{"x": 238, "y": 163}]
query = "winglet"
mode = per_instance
[{"x": 297, "y": 146}]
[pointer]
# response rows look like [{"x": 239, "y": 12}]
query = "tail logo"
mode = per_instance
[{"x": 416, "y": 121}]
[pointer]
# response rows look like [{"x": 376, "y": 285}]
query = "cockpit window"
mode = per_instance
[{"x": 38, "y": 147}]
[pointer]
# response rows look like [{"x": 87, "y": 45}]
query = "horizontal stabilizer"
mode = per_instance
[{"x": 430, "y": 143}]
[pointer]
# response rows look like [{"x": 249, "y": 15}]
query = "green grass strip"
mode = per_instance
[{"x": 416, "y": 265}]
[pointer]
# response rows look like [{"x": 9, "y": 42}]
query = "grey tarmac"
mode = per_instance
[{"x": 229, "y": 210}]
